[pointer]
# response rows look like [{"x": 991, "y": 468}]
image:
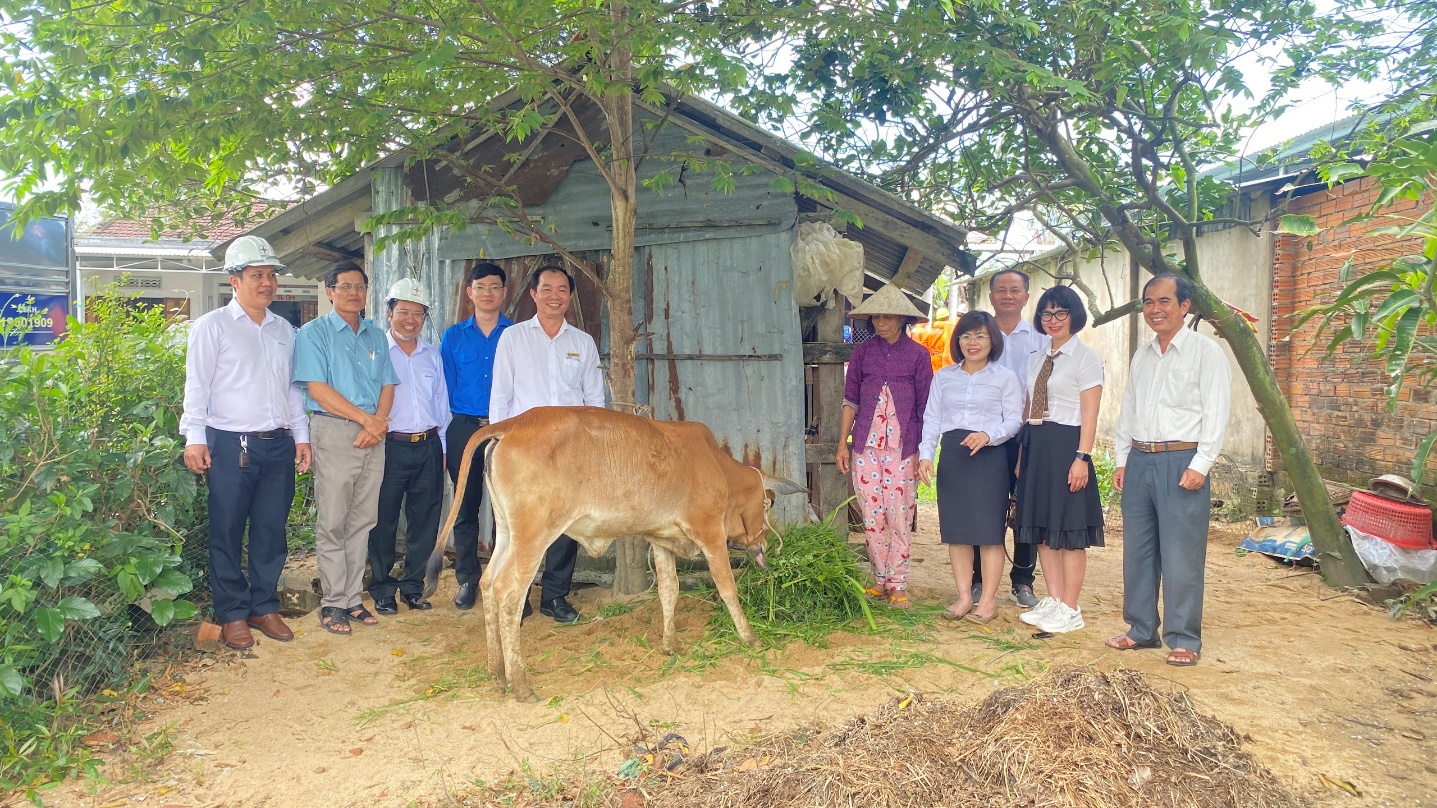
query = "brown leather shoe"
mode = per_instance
[
  {"x": 271, "y": 626},
  {"x": 236, "y": 635}
]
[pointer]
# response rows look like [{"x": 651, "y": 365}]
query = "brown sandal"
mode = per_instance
[
  {"x": 1123, "y": 642},
  {"x": 1183, "y": 657}
]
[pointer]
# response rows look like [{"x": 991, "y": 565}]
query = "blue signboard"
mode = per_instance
[
  {"x": 36, "y": 268},
  {"x": 30, "y": 319}
]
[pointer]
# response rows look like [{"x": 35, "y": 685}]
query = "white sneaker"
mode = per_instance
[
  {"x": 1061, "y": 620},
  {"x": 1038, "y": 612}
]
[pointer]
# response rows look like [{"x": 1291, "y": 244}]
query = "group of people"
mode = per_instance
[
  {"x": 1005, "y": 434},
  {"x": 373, "y": 412}
]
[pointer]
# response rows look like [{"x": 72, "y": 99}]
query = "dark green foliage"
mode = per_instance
[{"x": 95, "y": 508}]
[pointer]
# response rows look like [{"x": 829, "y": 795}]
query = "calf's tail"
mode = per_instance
[{"x": 484, "y": 439}]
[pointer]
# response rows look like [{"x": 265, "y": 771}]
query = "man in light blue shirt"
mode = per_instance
[
  {"x": 342, "y": 361},
  {"x": 413, "y": 455}
]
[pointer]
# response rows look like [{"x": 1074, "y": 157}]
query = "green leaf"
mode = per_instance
[
  {"x": 77, "y": 608},
  {"x": 148, "y": 567},
  {"x": 50, "y": 622},
  {"x": 51, "y": 570},
  {"x": 1399, "y": 300},
  {"x": 1342, "y": 171},
  {"x": 81, "y": 570},
  {"x": 1419, "y": 460},
  {"x": 174, "y": 582},
  {"x": 1298, "y": 225},
  {"x": 11, "y": 683},
  {"x": 163, "y": 611},
  {"x": 184, "y": 610}
]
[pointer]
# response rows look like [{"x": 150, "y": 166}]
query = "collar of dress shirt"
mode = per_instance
[
  {"x": 420, "y": 345},
  {"x": 471, "y": 324},
  {"x": 1068, "y": 347},
  {"x": 1179, "y": 339},
  {"x": 337, "y": 323},
  {"x": 1023, "y": 326},
  {"x": 533, "y": 322},
  {"x": 237, "y": 311}
]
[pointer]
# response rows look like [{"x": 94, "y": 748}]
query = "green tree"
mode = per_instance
[
  {"x": 1097, "y": 118},
  {"x": 201, "y": 108}
]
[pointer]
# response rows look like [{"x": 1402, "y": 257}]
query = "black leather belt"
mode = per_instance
[
  {"x": 415, "y": 437},
  {"x": 270, "y": 435},
  {"x": 481, "y": 420}
]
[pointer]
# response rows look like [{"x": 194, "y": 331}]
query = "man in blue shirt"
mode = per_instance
[
  {"x": 342, "y": 361},
  {"x": 467, "y": 349}
]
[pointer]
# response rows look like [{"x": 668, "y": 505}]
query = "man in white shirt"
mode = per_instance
[
  {"x": 1008, "y": 294},
  {"x": 545, "y": 362},
  {"x": 1169, "y": 433},
  {"x": 245, "y": 427},
  {"x": 414, "y": 455}
]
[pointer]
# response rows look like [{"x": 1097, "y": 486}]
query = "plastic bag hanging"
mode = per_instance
[{"x": 825, "y": 261}]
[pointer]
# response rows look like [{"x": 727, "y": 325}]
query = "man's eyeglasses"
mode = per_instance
[
  {"x": 352, "y": 287},
  {"x": 1054, "y": 316}
]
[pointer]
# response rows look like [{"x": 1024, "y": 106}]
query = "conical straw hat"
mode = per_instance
[{"x": 888, "y": 300}]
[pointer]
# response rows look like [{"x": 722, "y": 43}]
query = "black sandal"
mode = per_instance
[
  {"x": 362, "y": 615},
  {"x": 332, "y": 617}
]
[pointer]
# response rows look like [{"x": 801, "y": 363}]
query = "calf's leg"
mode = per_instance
[
  {"x": 715, "y": 547},
  {"x": 526, "y": 549},
  {"x": 666, "y": 576}
]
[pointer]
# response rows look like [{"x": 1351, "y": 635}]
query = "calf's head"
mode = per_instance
[{"x": 748, "y": 523}]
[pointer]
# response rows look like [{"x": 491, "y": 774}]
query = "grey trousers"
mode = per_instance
[
  {"x": 1164, "y": 541},
  {"x": 346, "y": 501}
]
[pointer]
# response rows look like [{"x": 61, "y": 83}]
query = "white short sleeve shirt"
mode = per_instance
[{"x": 1076, "y": 368}]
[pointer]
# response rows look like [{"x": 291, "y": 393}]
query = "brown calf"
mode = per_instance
[{"x": 595, "y": 475}]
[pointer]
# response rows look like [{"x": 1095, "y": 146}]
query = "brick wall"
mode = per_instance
[{"x": 1338, "y": 400}]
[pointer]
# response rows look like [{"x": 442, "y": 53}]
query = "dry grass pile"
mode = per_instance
[{"x": 1076, "y": 737}]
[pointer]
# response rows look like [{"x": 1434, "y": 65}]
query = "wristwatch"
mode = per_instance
[{"x": 1084, "y": 456}]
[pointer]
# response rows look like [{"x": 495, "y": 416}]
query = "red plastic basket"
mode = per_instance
[{"x": 1403, "y": 525}]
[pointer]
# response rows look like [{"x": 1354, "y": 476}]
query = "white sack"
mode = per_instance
[{"x": 824, "y": 261}]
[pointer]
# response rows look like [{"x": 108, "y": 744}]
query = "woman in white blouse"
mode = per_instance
[
  {"x": 1058, "y": 506},
  {"x": 974, "y": 406}
]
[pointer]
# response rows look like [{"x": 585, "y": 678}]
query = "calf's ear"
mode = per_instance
[{"x": 778, "y": 486}]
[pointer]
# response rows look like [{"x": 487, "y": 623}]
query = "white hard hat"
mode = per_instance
[
  {"x": 250, "y": 251},
  {"x": 408, "y": 289}
]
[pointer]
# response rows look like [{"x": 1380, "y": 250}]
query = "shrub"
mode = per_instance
[{"x": 95, "y": 505}]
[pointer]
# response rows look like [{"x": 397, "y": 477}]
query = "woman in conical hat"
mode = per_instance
[{"x": 883, "y": 400}]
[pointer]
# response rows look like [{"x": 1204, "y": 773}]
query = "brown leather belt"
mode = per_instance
[
  {"x": 1164, "y": 445},
  {"x": 415, "y": 437}
]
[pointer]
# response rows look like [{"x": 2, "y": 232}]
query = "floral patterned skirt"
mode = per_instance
[{"x": 884, "y": 481}]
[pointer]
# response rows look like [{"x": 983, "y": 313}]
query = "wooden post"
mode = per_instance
[{"x": 833, "y": 487}]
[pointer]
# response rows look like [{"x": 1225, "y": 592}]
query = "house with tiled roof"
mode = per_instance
[{"x": 176, "y": 272}]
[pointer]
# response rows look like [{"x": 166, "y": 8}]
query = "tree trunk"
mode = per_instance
[
  {"x": 631, "y": 553},
  {"x": 1339, "y": 562}
]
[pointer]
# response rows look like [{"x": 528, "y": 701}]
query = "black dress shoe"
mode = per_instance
[
  {"x": 560, "y": 610},
  {"x": 416, "y": 602},
  {"x": 386, "y": 605},
  {"x": 468, "y": 593}
]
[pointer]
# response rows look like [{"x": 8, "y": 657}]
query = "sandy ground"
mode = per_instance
[{"x": 402, "y": 713}]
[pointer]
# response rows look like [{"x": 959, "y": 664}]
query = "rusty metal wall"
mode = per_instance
[
  {"x": 721, "y": 300},
  {"x": 418, "y": 259}
]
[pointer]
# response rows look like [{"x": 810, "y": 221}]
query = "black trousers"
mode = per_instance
[
  {"x": 466, "y": 525},
  {"x": 414, "y": 480},
  {"x": 258, "y": 498},
  {"x": 1025, "y": 556},
  {"x": 559, "y": 560}
]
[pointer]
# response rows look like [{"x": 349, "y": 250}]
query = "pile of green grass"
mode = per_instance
[{"x": 813, "y": 580}]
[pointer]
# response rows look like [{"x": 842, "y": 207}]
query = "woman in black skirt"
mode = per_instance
[
  {"x": 1058, "y": 506},
  {"x": 974, "y": 406}
]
